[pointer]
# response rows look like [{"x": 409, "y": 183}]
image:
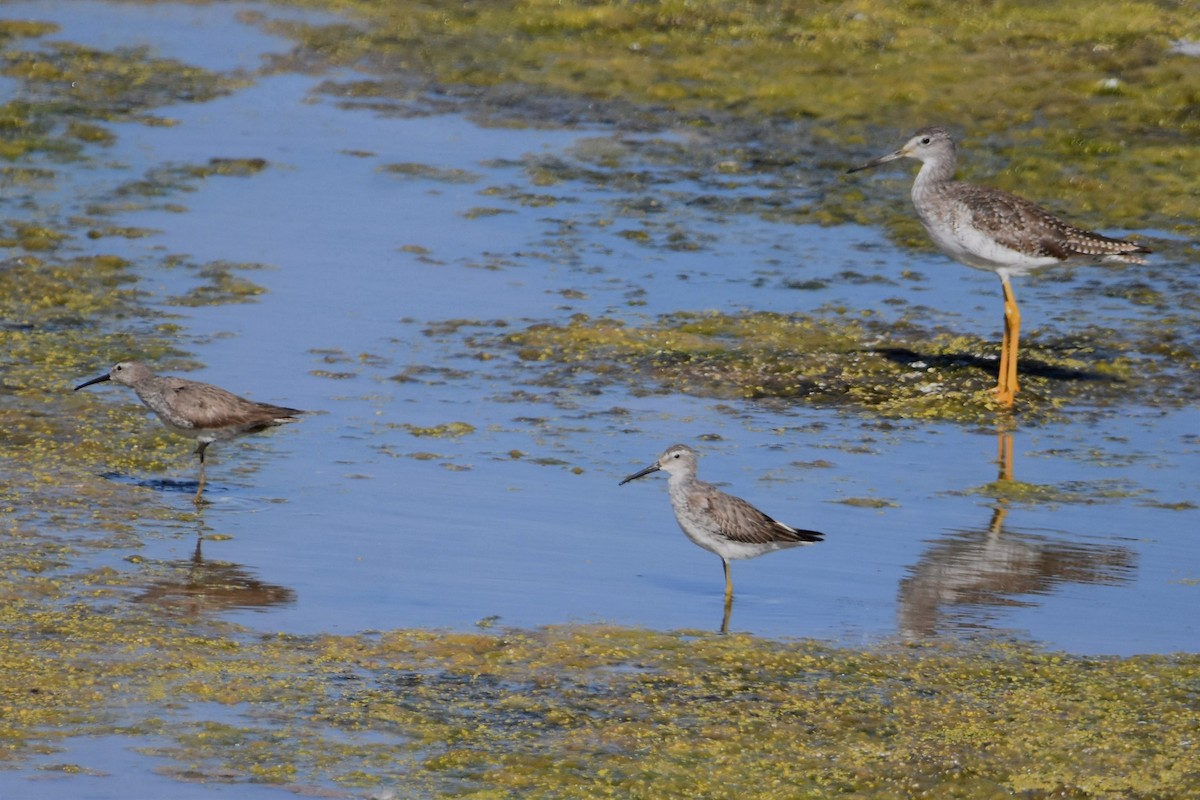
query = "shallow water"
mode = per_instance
[
  {"x": 381, "y": 286},
  {"x": 355, "y": 523}
]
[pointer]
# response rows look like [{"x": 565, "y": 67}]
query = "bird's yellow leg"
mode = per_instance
[
  {"x": 728, "y": 597},
  {"x": 1006, "y": 384},
  {"x": 1013, "y": 313}
]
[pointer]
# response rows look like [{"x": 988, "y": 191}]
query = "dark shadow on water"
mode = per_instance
[
  {"x": 197, "y": 586},
  {"x": 966, "y": 578},
  {"x": 158, "y": 484},
  {"x": 906, "y": 357}
]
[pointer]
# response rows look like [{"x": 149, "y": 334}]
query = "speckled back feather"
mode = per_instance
[
  {"x": 738, "y": 521},
  {"x": 1028, "y": 228}
]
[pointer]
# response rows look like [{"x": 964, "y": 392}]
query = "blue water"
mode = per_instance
[{"x": 372, "y": 527}]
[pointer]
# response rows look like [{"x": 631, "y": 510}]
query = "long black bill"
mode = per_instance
[
  {"x": 875, "y": 162},
  {"x": 101, "y": 379},
  {"x": 652, "y": 468}
]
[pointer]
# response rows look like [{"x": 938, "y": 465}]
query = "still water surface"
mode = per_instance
[{"x": 349, "y": 522}]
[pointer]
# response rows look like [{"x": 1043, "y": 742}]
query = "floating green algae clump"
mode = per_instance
[
  {"x": 68, "y": 90},
  {"x": 896, "y": 370},
  {"x": 449, "y": 430},
  {"x": 110, "y": 84}
]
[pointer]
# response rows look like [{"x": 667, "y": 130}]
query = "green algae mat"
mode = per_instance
[
  {"x": 595, "y": 711},
  {"x": 848, "y": 361}
]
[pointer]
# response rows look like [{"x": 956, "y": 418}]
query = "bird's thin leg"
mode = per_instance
[
  {"x": 1006, "y": 385},
  {"x": 728, "y": 597},
  {"x": 1004, "y": 455},
  {"x": 1013, "y": 313},
  {"x": 200, "y": 489}
]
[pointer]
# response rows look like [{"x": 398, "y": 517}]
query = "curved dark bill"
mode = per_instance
[
  {"x": 652, "y": 468},
  {"x": 101, "y": 379}
]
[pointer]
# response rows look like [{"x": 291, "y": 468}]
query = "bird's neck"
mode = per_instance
[
  {"x": 935, "y": 173},
  {"x": 152, "y": 393},
  {"x": 676, "y": 482}
]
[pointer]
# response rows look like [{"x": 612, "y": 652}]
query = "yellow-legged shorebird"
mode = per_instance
[
  {"x": 991, "y": 229},
  {"x": 197, "y": 410},
  {"x": 719, "y": 522}
]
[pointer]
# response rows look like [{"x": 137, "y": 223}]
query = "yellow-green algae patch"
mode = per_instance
[
  {"x": 857, "y": 361},
  {"x": 19, "y": 29},
  {"x": 590, "y": 711},
  {"x": 1091, "y": 102},
  {"x": 448, "y": 430},
  {"x": 172, "y": 179},
  {"x": 112, "y": 84},
  {"x": 68, "y": 90},
  {"x": 414, "y": 171},
  {"x": 221, "y": 285}
]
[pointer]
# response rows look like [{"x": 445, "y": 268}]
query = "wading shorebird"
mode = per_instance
[
  {"x": 719, "y": 522},
  {"x": 991, "y": 229},
  {"x": 197, "y": 410}
]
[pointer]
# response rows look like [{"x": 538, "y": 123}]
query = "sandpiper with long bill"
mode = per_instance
[
  {"x": 197, "y": 410},
  {"x": 994, "y": 230}
]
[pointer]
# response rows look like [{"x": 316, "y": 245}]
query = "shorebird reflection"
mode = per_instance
[
  {"x": 964, "y": 579},
  {"x": 196, "y": 586}
]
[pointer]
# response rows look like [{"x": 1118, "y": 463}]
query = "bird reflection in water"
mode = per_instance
[
  {"x": 195, "y": 587},
  {"x": 965, "y": 579}
]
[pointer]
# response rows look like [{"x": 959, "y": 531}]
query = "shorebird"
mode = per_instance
[
  {"x": 197, "y": 410},
  {"x": 719, "y": 522},
  {"x": 991, "y": 229}
]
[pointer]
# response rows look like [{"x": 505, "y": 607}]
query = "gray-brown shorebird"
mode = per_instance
[
  {"x": 991, "y": 229},
  {"x": 197, "y": 410},
  {"x": 719, "y": 522}
]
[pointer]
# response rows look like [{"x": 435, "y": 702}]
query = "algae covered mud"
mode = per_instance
[{"x": 509, "y": 253}]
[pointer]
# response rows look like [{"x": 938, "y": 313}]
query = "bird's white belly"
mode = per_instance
[
  {"x": 956, "y": 237},
  {"x": 700, "y": 529}
]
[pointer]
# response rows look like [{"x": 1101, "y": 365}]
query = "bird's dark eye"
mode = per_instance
[
  {"x": 926, "y": 140},
  {"x": 119, "y": 368}
]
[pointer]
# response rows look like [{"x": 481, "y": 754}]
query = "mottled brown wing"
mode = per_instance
[
  {"x": 1028, "y": 228},
  {"x": 741, "y": 522},
  {"x": 208, "y": 406}
]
